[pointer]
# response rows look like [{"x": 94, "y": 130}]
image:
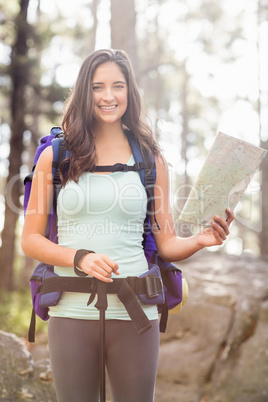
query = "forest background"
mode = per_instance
[{"x": 201, "y": 66}]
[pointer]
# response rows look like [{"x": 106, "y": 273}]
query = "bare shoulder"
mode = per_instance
[
  {"x": 45, "y": 160},
  {"x": 160, "y": 161},
  {"x": 161, "y": 168}
]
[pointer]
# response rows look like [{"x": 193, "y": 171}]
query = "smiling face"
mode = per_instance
[{"x": 110, "y": 94}]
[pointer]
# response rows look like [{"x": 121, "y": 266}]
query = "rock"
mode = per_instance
[
  {"x": 215, "y": 350},
  {"x": 194, "y": 339},
  {"x": 19, "y": 375},
  {"x": 244, "y": 376},
  {"x": 243, "y": 326}
]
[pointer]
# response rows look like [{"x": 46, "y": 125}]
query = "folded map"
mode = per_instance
[{"x": 223, "y": 179}]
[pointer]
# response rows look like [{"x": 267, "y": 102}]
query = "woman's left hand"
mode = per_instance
[{"x": 218, "y": 232}]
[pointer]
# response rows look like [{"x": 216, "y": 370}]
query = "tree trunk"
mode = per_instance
[
  {"x": 94, "y": 9},
  {"x": 19, "y": 78},
  {"x": 185, "y": 184},
  {"x": 123, "y": 28}
]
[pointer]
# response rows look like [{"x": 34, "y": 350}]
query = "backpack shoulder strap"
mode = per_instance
[
  {"x": 59, "y": 154},
  {"x": 44, "y": 143},
  {"x": 147, "y": 171}
]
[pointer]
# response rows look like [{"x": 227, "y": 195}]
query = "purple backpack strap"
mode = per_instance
[{"x": 44, "y": 143}]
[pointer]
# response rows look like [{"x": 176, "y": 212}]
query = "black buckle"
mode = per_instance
[
  {"x": 149, "y": 179},
  {"x": 137, "y": 166},
  {"x": 151, "y": 286},
  {"x": 120, "y": 167}
]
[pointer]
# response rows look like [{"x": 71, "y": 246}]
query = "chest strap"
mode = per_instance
[{"x": 119, "y": 167}]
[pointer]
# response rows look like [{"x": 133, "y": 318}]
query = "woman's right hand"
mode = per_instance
[{"x": 99, "y": 265}]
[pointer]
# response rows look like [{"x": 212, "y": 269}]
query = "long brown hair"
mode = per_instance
[{"x": 78, "y": 117}]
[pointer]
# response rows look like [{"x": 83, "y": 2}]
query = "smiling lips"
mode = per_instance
[{"x": 108, "y": 108}]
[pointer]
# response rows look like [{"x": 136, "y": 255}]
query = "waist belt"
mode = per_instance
[{"x": 127, "y": 290}]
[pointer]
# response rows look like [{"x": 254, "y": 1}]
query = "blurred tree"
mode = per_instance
[
  {"x": 19, "y": 73},
  {"x": 154, "y": 55},
  {"x": 94, "y": 10},
  {"x": 123, "y": 28}
]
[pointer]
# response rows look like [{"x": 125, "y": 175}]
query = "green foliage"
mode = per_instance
[{"x": 15, "y": 313}]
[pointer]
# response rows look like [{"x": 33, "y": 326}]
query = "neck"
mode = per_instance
[
  {"x": 111, "y": 144},
  {"x": 107, "y": 131}
]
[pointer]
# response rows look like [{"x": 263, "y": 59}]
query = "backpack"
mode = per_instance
[{"x": 162, "y": 284}]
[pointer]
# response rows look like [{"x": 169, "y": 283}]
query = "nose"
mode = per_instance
[{"x": 108, "y": 95}]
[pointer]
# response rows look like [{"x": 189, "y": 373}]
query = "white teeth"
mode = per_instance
[{"x": 107, "y": 107}]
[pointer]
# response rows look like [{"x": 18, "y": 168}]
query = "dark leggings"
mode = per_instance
[{"x": 131, "y": 360}]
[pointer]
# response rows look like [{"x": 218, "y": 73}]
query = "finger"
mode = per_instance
[
  {"x": 100, "y": 273},
  {"x": 104, "y": 262},
  {"x": 222, "y": 223},
  {"x": 230, "y": 217},
  {"x": 102, "y": 268},
  {"x": 217, "y": 236},
  {"x": 102, "y": 278},
  {"x": 112, "y": 264},
  {"x": 219, "y": 231},
  {"x": 105, "y": 266},
  {"x": 94, "y": 264}
]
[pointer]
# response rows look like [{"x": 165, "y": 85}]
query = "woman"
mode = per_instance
[{"x": 104, "y": 212}]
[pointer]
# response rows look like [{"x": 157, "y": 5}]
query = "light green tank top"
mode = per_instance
[{"x": 104, "y": 213}]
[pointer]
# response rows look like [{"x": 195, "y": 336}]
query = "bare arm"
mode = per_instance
[
  {"x": 36, "y": 245},
  {"x": 169, "y": 245}
]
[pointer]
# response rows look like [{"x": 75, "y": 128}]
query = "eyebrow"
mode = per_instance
[{"x": 116, "y": 82}]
